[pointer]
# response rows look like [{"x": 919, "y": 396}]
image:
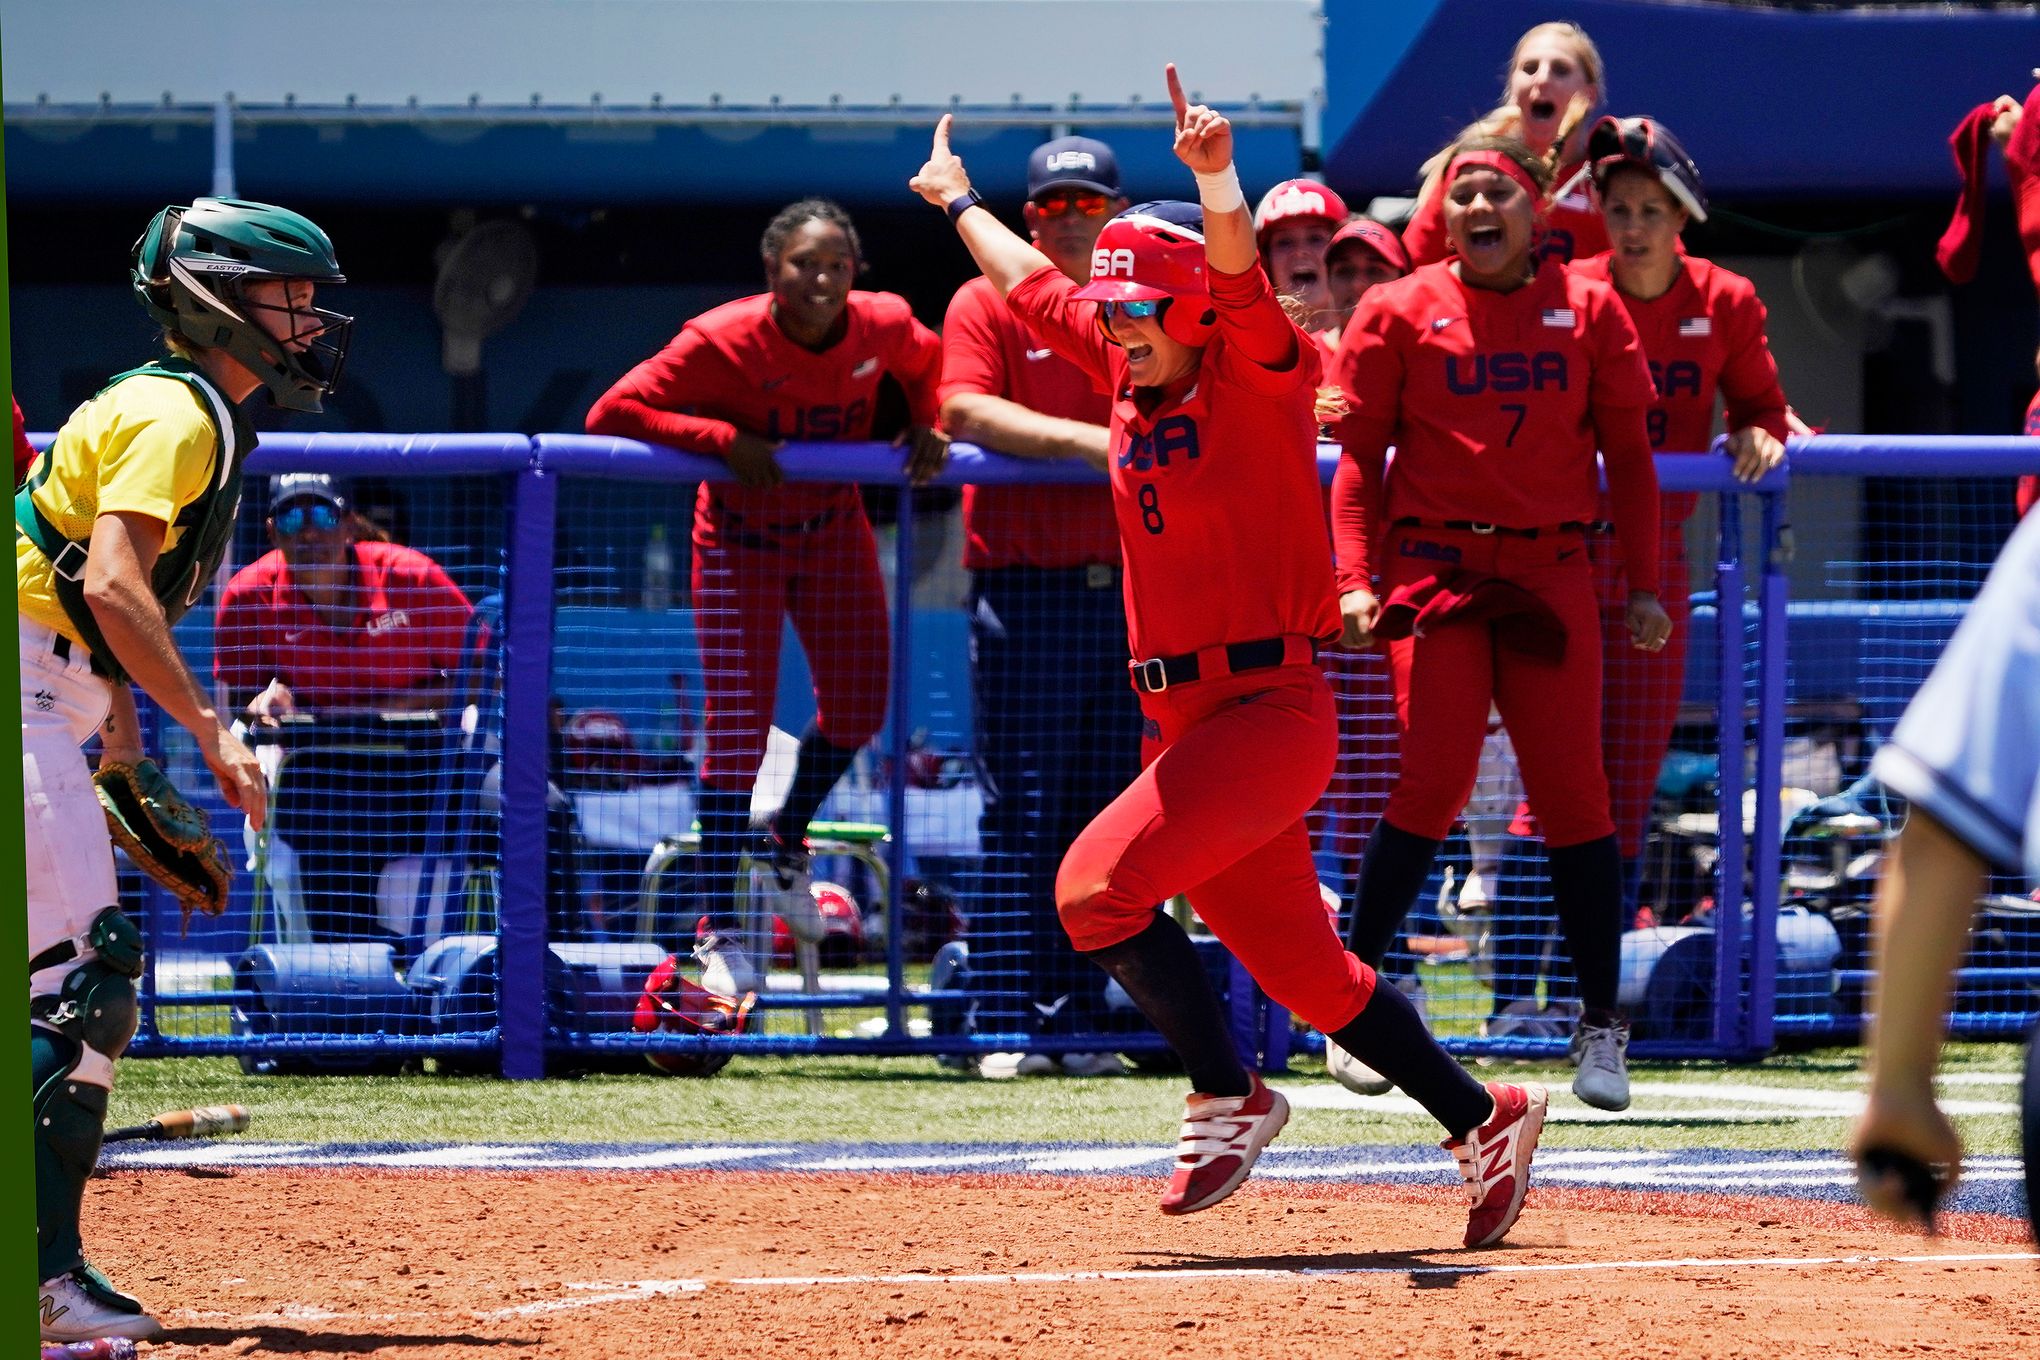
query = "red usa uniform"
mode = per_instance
[
  {"x": 1495, "y": 403},
  {"x": 989, "y": 350},
  {"x": 803, "y": 550},
  {"x": 409, "y": 623},
  {"x": 1705, "y": 340},
  {"x": 1572, "y": 229},
  {"x": 1220, "y": 520},
  {"x": 2029, "y": 487}
]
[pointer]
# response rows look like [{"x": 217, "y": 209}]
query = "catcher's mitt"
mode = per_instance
[{"x": 166, "y": 837}]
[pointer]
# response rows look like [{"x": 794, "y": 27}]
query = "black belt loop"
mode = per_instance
[{"x": 1157, "y": 673}]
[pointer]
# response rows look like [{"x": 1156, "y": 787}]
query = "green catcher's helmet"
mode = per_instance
[{"x": 191, "y": 270}]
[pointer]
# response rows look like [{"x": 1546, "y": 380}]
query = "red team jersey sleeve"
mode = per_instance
[
  {"x": 1264, "y": 349},
  {"x": 1749, "y": 371},
  {"x": 1370, "y": 369},
  {"x": 1620, "y": 397},
  {"x": 653, "y": 402},
  {"x": 1046, "y": 300},
  {"x": 973, "y": 354}
]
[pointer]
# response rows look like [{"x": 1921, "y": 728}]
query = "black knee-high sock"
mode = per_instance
[
  {"x": 1632, "y": 890},
  {"x": 725, "y": 817},
  {"x": 815, "y": 771},
  {"x": 1160, "y": 970},
  {"x": 1586, "y": 888},
  {"x": 1392, "y": 873},
  {"x": 1389, "y": 1036}
]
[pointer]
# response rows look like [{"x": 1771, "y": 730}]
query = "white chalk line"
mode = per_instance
[{"x": 602, "y": 1293}]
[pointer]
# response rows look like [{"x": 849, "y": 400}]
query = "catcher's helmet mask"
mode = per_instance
[{"x": 190, "y": 270}]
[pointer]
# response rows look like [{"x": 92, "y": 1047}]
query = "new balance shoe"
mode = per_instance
[
  {"x": 785, "y": 872},
  {"x": 82, "y": 1305},
  {"x": 1219, "y": 1141},
  {"x": 1603, "y": 1078},
  {"x": 726, "y": 967},
  {"x": 1354, "y": 1075},
  {"x": 1494, "y": 1160}
]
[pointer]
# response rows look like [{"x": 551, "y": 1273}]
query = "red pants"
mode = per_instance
[
  {"x": 1446, "y": 679},
  {"x": 1231, "y": 767},
  {"x": 1368, "y": 757},
  {"x": 1641, "y": 690},
  {"x": 828, "y": 581}
]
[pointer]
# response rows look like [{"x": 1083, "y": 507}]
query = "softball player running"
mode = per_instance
[
  {"x": 1554, "y": 80},
  {"x": 121, "y": 525},
  {"x": 1702, "y": 329},
  {"x": 1496, "y": 377},
  {"x": 1214, "y": 435},
  {"x": 799, "y": 362},
  {"x": 1966, "y": 756}
]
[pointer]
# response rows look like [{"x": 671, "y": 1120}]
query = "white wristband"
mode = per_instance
[{"x": 1220, "y": 192}]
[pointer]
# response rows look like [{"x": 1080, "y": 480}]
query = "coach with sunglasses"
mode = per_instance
[
  {"x": 1058, "y": 728},
  {"x": 337, "y": 621}
]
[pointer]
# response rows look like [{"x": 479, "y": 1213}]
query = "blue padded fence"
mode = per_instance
[{"x": 493, "y": 967}]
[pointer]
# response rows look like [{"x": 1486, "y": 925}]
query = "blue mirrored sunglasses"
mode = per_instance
[
  {"x": 292, "y": 521},
  {"x": 1146, "y": 307}
]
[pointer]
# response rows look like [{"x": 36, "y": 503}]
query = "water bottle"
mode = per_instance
[
  {"x": 658, "y": 593},
  {"x": 104, "y": 1348}
]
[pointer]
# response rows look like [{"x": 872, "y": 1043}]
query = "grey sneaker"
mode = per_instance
[
  {"x": 726, "y": 969},
  {"x": 1603, "y": 1078},
  {"x": 82, "y": 1305}
]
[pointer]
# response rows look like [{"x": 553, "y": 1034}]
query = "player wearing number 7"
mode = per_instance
[
  {"x": 1228, "y": 596},
  {"x": 1496, "y": 377}
]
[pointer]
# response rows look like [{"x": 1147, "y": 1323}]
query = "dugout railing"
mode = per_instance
[{"x": 581, "y": 619}]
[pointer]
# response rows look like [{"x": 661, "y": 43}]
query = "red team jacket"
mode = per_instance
[
  {"x": 1215, "y": 489},
  {"x": 733, "y": 369},
  {"x": 987, "y": 349},
  {"x": 1704, "y": 334},
  {"x": 1572, "y": 230},
  {"x": 1495, "y": 403},
  {"x": 408, "y": 631}
]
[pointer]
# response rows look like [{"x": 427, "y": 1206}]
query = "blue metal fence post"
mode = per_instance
[
  {"x": 1765, "y": 869},
  {"x": 1732, "y": 634},
  {"x": 896, "y": 784},
  {"x": 527, "y": 680}
]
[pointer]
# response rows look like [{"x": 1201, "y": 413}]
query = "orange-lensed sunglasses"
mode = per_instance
[{"x": 1057, "y": 204}]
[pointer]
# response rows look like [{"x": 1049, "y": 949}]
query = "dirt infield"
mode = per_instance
[{"x": 560, "y": 1264}]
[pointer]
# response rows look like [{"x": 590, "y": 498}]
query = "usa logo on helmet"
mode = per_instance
[{"x": 1111, "y": 264}]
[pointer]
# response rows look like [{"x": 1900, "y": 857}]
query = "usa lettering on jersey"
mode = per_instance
[
  {"x": 1508, "y": 371},
  {"x": 1680, "y": 378},
  {"x": 1146, "y": 450},
  {"x": 815, "y": 422}
]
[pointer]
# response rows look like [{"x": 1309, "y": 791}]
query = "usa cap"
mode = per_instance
[
  {"x": 304, "y": 486},
  {"x": 1072, "y": 163}
]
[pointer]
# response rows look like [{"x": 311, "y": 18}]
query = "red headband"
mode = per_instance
[{"x": 1495, "y": 160}]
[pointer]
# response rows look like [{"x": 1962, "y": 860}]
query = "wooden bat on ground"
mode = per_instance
[{"x": 208, "y": 1121}]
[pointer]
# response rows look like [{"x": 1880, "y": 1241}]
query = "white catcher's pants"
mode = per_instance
[{"x": 70, "y": 857}]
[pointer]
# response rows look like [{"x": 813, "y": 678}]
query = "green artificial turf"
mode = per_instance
[{"x": 899, "y": 1100}]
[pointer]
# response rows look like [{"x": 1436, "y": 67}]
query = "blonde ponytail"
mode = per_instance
[{"x": 1576, "y": 113}]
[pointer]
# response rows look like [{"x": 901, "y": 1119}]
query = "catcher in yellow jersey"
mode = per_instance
[{"x": 118, "y": 529}]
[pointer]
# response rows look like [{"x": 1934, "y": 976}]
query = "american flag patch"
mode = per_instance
[
  {"x": 865, "y": 369},
  {"x": 1559, "y": 316},
  {"x": 1697, "y": 325}
]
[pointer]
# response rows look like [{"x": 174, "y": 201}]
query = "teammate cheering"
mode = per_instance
[
  {"x": 1495, "y": 376},
  {"x": 801, "y": 361},
  {"x": 1554, "y": 80},
  {"x": 1361, "y": 255},
  {"x": 121, "y": 524},
  {"x": 1293, "y": 223},
  {"x": 1228, "y": 595}
]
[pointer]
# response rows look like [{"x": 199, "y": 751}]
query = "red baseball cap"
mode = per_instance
[{"x": 1375, "y": 237}]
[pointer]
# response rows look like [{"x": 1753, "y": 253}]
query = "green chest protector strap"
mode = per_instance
[{"x": 206, "y": 525}]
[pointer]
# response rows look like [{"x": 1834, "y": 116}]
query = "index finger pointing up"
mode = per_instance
[
  {"x": 1176, "y": 94},
  {"x": 942, "y": 135}
]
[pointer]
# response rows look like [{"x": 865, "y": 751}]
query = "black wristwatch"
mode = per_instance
[{"x": 959, "y": 206}]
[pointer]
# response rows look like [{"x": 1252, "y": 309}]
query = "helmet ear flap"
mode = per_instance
[{"x": 1188, "y": 327}]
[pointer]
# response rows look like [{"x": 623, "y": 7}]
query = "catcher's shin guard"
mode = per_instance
[{"x": 70, "y": 1117}]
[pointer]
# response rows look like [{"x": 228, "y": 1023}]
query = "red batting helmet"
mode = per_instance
[
  {"x": 1296, "y": 200},
  {"x": 1154, "y": 252},
  {"x": 842, "y": 942},
  {"x": 1371, "y": 235}
]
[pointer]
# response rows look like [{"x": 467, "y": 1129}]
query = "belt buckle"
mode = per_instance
[
  {"x": 1153, "y": 681},
  {"x": 1098, "y": 575},
  {"x": 1485, "y": 529}
]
